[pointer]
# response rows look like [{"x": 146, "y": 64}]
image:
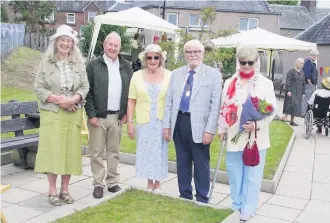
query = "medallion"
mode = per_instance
[{"x": 188, "y": 93}]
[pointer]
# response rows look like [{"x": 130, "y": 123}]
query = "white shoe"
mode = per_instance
[
  {"x": 158, "y": 191},
  {"x": 149, "y": 190}
]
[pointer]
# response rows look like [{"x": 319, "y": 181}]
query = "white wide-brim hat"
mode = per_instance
[
  {"x": 65, "y": 30},
  {"x": 152, "y": 48}
]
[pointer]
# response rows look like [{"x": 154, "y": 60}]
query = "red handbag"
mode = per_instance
[{"x": 251, "y": 153}]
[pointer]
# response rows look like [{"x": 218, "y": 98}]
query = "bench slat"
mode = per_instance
[
  {"x": 19, "y": 144},
  {"x": 13, "y": 125},
  {"x": 19, "y": 138},
  {"x": 16, "y": 108}
]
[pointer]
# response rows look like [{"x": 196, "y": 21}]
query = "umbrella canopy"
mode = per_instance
[
  {"x": 133, "y": 17},
  {"x": 263, "y": 39}
]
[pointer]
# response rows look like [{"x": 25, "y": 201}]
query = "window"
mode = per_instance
[
  {"x": 247, "y": 23},
  {"x": 91, "y": 16},
  {"x": 173, "y": 18},
  {"x": 50, "y": 18},
  {"x": 195, "y": 21},
  {"x": 71, "y": 18}
]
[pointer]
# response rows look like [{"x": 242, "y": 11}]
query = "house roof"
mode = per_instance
[
  {"x": 79, "y": 6},
  {"x": 258, "y": 6},
  {"x": 293, "y": 17},
  {"x": 321, "y": 13},
  {"x": 319, "y": 33}
]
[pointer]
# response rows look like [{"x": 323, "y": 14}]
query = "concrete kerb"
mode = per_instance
[{"x": 268, "y": 186}]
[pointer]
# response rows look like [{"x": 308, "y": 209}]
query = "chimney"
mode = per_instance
[{"x": 311, "y": 7}]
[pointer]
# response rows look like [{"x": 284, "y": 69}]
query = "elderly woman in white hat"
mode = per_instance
[
  {"x": 147, "y": 97},
  {"x": 61, "y": 86}
]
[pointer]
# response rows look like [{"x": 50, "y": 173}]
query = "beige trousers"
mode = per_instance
[{"x": 108, "y": 137}]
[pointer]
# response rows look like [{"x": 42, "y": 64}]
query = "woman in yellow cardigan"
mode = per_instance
[{"x": 147, "y": 97}]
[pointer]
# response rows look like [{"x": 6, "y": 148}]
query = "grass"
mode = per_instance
[
  {"x": 280, "y": 134},
  {"x": 138, "y": 206}
]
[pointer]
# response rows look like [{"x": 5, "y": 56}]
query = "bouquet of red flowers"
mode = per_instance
[{"x": 254, "y": 109}]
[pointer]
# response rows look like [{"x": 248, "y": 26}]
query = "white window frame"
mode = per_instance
[
  {"x": 199, "y": 26},
  {"x": 88, "y": 20},
  {"x": 177, "y": 17},
  {"x": 248, "y": 23},
  {"x": 74, "y": 18}
]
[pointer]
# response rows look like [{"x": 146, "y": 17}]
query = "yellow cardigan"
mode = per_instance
[{"x": 138, "y": 91}]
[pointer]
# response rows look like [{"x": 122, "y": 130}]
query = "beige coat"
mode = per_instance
[{"x": 48, "y": 81}]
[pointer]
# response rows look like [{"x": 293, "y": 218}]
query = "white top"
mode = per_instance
[
  {"x": 323, "y": 93},
  {"x": 262, "y": 88},
  {"x": 114, "y": 85}
]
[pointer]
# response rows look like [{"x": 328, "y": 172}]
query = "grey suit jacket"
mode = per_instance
[{"x": 204, "y": 102}]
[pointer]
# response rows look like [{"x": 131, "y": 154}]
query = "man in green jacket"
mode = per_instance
[{"x": 109, "y": 77}]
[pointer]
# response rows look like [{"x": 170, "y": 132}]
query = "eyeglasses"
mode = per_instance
[
  {"x": 155, "y": 58},
  {"x": 193, "y": 51},
  {"x": 243, "y": 63}
]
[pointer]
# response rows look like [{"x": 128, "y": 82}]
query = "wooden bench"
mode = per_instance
[{"x": 30, "y": 120}]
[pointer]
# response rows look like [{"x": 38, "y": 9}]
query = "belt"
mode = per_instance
[
  {"x": 109, "y": 112},
  {"x": 184, "y": 113}
]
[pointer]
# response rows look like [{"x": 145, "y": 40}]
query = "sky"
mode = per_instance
[{"x": 323, "y": 3}]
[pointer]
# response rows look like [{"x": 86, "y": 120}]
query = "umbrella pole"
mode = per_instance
[{"x": 223, "y": 145}]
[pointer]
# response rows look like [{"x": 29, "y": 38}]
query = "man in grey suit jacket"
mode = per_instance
[{"x": 190, "y": 117}]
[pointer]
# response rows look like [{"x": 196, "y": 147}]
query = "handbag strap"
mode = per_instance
[{"x": 255, "y": 129}]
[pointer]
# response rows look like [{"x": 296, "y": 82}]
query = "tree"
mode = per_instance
[
  {"x": 104, "y": 31},
  {"x": 207, "y": 17},
  {"x": 283, "y": 2},
  {"x": 4, "y": 15},
  {"x": 33, "y": 13}
]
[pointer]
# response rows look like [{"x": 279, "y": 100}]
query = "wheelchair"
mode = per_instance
[{"x": 317, "y": 114}]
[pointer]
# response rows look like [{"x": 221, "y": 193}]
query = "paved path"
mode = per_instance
[{"x": 303, "y": 194}]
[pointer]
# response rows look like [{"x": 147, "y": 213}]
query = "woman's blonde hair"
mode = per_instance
[{"x": 75, "y": 54}]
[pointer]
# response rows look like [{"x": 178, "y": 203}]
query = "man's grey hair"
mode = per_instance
[
  {"x": 194, "y": 43},
  {"x": 247, "y": 52},
  {"x": 113, "y": 34},
  {"x": 314, "y": 52}
]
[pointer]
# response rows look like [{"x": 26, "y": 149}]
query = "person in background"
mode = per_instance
[
  {"x": 61, "y": 86},
  {"x": 311, "y": 76},
  {"x": 190, "y": 118},
  {"x": 295, "y": 87},
  {"x": 136, "y": 50},
  {"x": 245, "y": 181},
  {"x": 323, "y": 93},
  {"x": 109, "y": 77},
  {"x": 147, "y": 97},
  {"x": 156, "y": 40}
]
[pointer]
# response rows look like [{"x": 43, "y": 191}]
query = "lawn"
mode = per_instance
[
  {"x": 138, "y": 206},
  {"x": 280, "y": 134}
]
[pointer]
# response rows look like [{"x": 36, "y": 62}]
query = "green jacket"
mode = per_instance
[{"x": 97, "y": 97}]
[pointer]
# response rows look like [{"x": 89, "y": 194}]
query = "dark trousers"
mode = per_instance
[{"x": 187, "y": 152}]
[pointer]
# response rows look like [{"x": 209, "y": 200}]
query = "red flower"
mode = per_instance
[
  {"x": 231, "y": 115},
  {"x": 232, "y": 88},
  {"x": 269, "y": 108},
  {"x": 255, "y": 102}
]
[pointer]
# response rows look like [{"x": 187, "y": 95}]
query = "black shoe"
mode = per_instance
[
  {"x": 98, "y": 192},
  {"x": 293, "y": 123},
  {"x": 114, "y": 189}
]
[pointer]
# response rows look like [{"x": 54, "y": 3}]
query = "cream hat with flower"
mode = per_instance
[
  {"x": 65, "y": 30},
  {"x": 152, "y": 48}
]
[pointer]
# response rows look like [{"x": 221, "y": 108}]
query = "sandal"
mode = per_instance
[
  {"x": 54, "y": 200},
  {"x": 66, "y": 198}
]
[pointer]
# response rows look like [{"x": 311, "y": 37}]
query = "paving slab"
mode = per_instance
[
  {"x": 17, "y": 179},
  {"x": 312, "y": 217},
  {"x": 44, "y": 218},
  {"x": 321, "y": 191},
  {"x": 16, "y": 195},
  {"x": 39, "y": 203},
  {"x": 16, "y": 213},
  {"x": 298, "y": 192},
  {"x": 69, "y": 209},
  {"x": 290, "y": 202},
  {"x": 278, "y": 212},
  {"x": 263, "y": 219},
  {"x": 40, "y": 186}
]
